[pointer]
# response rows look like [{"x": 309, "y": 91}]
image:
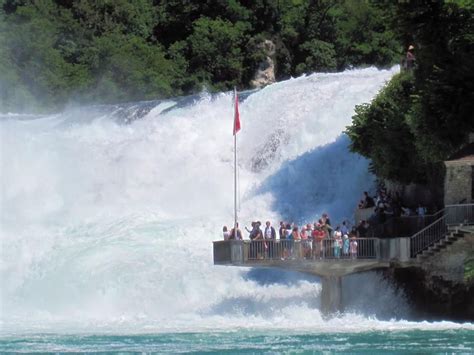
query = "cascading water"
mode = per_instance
[{"x": 108, "y": 214}]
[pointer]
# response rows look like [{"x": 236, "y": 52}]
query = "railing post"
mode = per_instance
[{"x": 378, "y": 254}]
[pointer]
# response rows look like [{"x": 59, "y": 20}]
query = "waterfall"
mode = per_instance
[{"x": 108, "y": 212}]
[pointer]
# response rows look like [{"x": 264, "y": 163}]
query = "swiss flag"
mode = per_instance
[{"x": 236, "y": 114}]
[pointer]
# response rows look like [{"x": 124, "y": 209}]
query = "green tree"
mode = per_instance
[
  {"x": 319, "y": 56},
  {"x": 215, "y": 54},
  {"x": 380, "y": 131}
]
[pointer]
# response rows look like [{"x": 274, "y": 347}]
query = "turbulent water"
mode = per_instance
[{"x": 108, "y": 214}]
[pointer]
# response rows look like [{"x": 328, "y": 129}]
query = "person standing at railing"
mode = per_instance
[
  {"x": 282, "y": 230},
  {"x": 345, "y": 245},
  {"x": 309, "y": 241},
  {"x": 226, "y": 233},
  {"x": 344, "y": 228},
  {"x": 270, "y": 236},
  {"x": 282, "y": 249},
  {"x": 353, "y": 247},
  {"x": 318, "y": 237},
  {"x": 325, "y": 222},
  {"x": 337, "y": 243},
  {"x": 258, "y": 244},
  {"x": 305, "y": 244},
  {"x": 287, "y": 242},
  {"x": 294, "y": 236},
  {"x": 362, "y": 229},
  {"x": 236, "y": 233}
]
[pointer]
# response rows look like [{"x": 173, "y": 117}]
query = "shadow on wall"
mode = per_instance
[
  {"x": 327, "y": 179},
  {"x": 267, "y": 276}
]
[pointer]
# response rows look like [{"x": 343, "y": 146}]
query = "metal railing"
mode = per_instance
[
  {"x": 428, "y": 236},
  {"x": 460, "y": 214},
  {"x": 329, "y": 248},
  {"x": 452, "y": 215}
]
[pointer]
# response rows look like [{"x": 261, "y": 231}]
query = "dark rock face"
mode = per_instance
[
  {"x": 441, "y": 286},
  {"x": 434, "y": 297}
]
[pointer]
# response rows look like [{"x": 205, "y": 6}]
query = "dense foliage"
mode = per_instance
[
  {"x": 422, "y": 116},
  {"x": 56, "y": 51}
]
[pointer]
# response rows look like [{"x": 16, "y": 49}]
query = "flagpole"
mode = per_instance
[{"x": 235, "y": 167}]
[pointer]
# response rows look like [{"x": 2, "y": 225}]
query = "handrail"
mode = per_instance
[
  {"x": 457, "y": 214},
  {"x": 428, "y": 236},
  {"x": 309, "y": 249},
  {"x": 460, "y": 205},
  {"x": 460, "y": 214}
]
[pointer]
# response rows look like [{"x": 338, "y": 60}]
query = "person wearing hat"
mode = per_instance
[{"x": 410, "y": 58}]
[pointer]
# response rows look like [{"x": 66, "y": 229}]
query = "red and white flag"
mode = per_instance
[{"x": 236, "y": 114}]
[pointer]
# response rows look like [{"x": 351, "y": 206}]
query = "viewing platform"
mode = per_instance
[
  {"x": 318, "y": 258},
  {"x": 324, "y": 259}
]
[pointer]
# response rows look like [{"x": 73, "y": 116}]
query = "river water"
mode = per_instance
[{"x": 108, "y": 214}]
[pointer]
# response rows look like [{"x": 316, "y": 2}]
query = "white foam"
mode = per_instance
[{"x": 108, "y": 226}]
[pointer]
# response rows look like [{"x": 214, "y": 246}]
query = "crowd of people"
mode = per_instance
[
  {"x": 314, "y": 239},
  {"x": 387, "y": 204},
  {"x": 320, "y": 239}
]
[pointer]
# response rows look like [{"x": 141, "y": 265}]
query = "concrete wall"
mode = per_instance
[
  {"x": 458, "y": 182},
  {"x": 397, "y": 249}
]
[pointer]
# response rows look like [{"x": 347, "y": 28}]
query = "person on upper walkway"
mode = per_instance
[
  {"x": 410, "y": 58},
  {"x": 421, "y": 211},
  {"x": 368, "y": 200}
]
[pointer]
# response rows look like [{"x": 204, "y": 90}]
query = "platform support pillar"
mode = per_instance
[{"x": 331, "y": 295}]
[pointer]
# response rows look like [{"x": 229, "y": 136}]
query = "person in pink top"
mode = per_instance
[{"x": 353, "y": 247}]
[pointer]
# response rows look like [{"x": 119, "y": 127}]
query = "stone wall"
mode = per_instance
[{"x": 458, "y": 182}]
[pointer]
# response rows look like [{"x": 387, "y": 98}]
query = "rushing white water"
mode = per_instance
[{"x": 108, "y": 226}]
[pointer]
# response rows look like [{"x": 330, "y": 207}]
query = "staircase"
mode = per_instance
[
  {"x": 455, "y": 222},
  {"x": 454, "y": 234}
]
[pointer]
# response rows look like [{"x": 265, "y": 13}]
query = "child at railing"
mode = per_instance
[
  {"x": 337, "y": 243},
  {"x": 353, "y": 247},
  {"x": 345, "y": 246}
]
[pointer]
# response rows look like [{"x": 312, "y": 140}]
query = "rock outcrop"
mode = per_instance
[
  {"x": 265, "y": 73},
  {"x": 439, "y": 287}
]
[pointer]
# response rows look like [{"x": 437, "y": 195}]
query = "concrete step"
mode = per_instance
[
  {"x": 428, "y": 252},
  {"x": 421, "y": 257},
  {"x": 439, "y": 247}
]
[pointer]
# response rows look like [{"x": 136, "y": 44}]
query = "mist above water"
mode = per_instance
[{"x": 108, "y": 213}]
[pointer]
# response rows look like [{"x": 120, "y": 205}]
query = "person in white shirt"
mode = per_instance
[
  {"x": 270, "y": 236},
  {"x": 226, "y": 233}
]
